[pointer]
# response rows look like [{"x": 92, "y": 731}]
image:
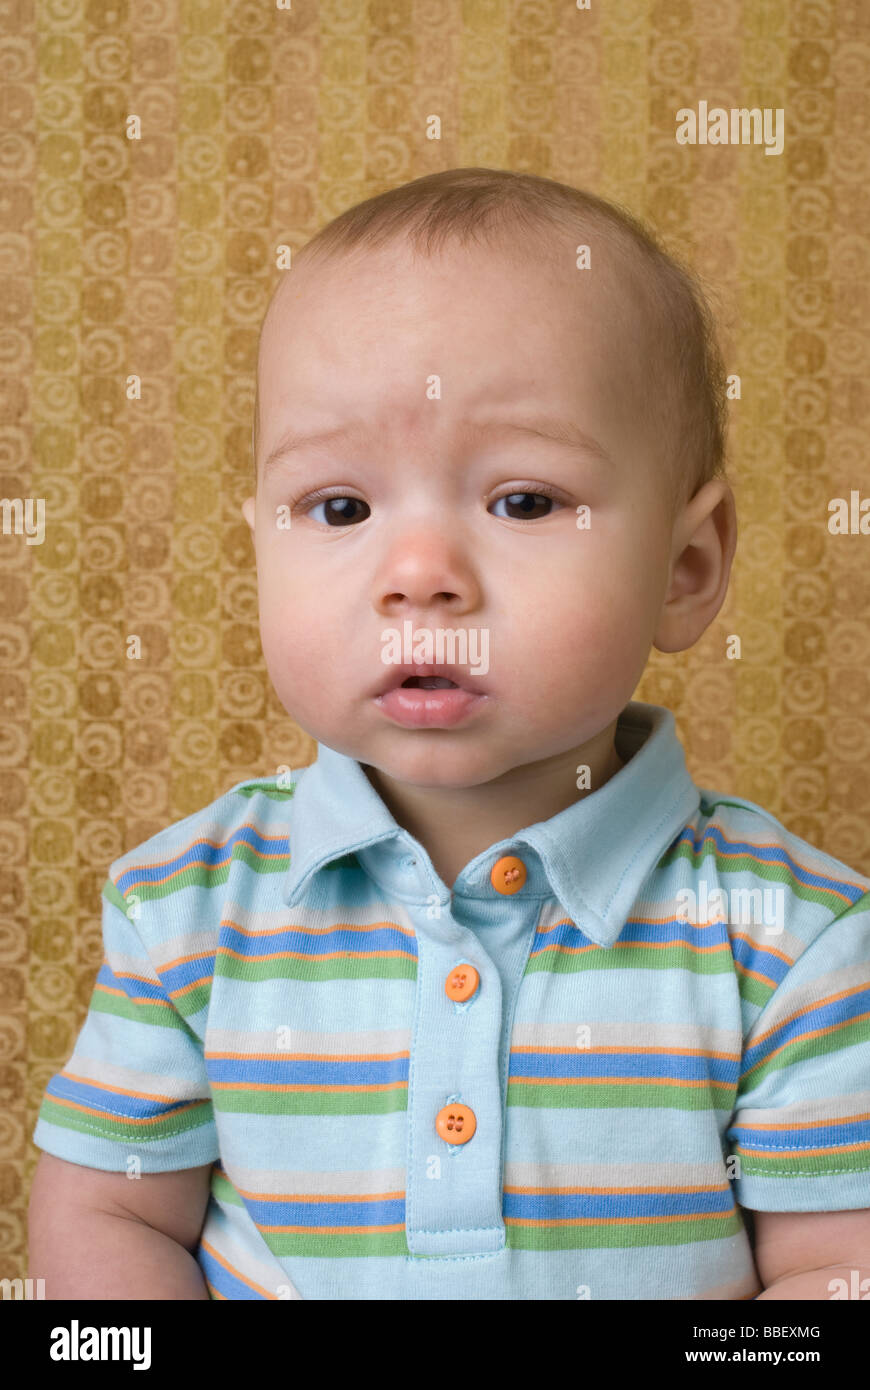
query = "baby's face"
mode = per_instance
[{"x": 432, "y": 373}]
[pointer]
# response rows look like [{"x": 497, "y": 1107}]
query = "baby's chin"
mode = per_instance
[{"x": 438, "y": 759}]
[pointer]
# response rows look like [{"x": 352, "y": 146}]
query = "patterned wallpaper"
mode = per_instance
[{"x": 135, "y": 272}]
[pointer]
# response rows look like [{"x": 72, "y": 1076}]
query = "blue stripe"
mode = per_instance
[
  {"x": 563, "y": 1206},
  {"x": 287, "y": 1071},
  {"x": 578, "y": 1063},
  {"x": 212, "y": 856},
  {"x": 310, "y": 943},
  {"x": 768, "y": 854}
]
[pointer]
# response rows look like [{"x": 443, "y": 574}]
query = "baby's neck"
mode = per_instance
[{"x": 454, "y": 826}]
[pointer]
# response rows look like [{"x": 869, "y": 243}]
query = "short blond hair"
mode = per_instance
[{"x": 687, "y": 402}]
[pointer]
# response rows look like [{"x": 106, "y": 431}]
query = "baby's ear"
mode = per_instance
[{"x": 248, "y": 510}]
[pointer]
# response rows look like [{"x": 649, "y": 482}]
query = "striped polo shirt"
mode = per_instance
[{"x": 670, "y": 1025}]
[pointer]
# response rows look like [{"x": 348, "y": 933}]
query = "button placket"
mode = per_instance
[
  {"x": 455, "y": 1100},
  {"x": 453, "y": 1188}
]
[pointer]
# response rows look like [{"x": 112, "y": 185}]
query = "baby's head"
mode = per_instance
[{"x": 529, "y": 455}]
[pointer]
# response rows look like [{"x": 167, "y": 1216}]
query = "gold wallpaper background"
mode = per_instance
[{"x": 156, "y": 257}]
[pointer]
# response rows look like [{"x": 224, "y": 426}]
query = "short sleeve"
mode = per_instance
[
  {"x": 136, "y": 1084},
  {"x": 801, "y": 1124}
]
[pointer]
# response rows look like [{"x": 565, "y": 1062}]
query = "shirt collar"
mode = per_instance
[{"x": 593, "y": 857}]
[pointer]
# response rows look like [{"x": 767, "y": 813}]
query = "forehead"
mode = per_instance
[
  {"x": 536, "y": 275},
  {"x": 368, "y": 327}
]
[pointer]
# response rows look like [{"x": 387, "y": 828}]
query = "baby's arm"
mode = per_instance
[
  {"x": 99, "y": 1235},
  {"x": 809, "y": 1254}
]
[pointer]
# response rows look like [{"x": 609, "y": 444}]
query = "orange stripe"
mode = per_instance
[
  {"x": 767, "y": 844},
  {"x": 194, "y": 864},
  {"x": 310, "y": 1056},
  {"x": 666, "y": 1051},
  {"x": 327, "y": 955},
  {"x": 126, "y": 1119},
  {"x": 236, "y": 1273},
  {"x": 202, "y": 863},
  {"x": 185, "y": 960},
  {"x": 315, "y": 931},
  {"x": 308, "y": 1089},
  {"x": 768, "y": 950},
  {"x": 669, "y": 921},
  {"x": 332, "y": 1230},
  {"x": 637, "y": 945},
  {"x": 213, "y": 844},
  {"x": 754, "y": 975},
  {"x": 814, "y": 1124},
  {"x": 144, "y": 999},
  {"x": 317, "y": 1197},
  {"x": 194, "y": 984},
  {"x": 804, "y": 1153},
  {"x": 828, "y": 1031},
  {"x": 617, "y": 1191},
  {"x": 807, "y": 1008},
  {"x": 120, "y": 1090},
  {"x": 130, "y": 975},
  {"x": 617, "y": 1081},
  {"x": 134, "y": 999},
  {"x": 621, "y": 1220}
]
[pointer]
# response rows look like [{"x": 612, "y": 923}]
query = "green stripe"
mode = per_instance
[
  {"x": 862, "y": 905},
  {"x": 636, "y": 1234},
  {"x": 318, "y": 1244},
  {"x": 316, "y": 971},
  {"x": 193, "y": 1001},
  {"x": 199, "y": 876},
  {"x": 250, "y": 1102},
  {"x": 268, "y": 788},
  {"x": 639, "y": 957},
  {"x": 745, "y": 862},
  {"x": 779, "y": 1165},
  {"x": 754, "y": 991},
  {"x": 113, "y": 895},
  {"x": 122, "y": 1006},
  {"x": 223, "y": 1189},
  {"x": 802, "y": 1049},
  {"x": 321, "y": 1245},
  {"x": 581, "y": 1096},
  {"x": 122, "y": 1131}
]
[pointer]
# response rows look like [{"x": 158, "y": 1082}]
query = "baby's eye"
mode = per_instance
[
  {"x": 340, "y": 510},
  {"x": 527, "y": 505}
]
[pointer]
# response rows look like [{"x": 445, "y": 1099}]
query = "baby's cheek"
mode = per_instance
[
  {"x": 302, "y": 646},
  {"x": 287, "y": 641},
  {"x": 590, "y": 655}
]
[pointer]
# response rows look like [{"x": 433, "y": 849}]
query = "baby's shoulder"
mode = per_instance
[
  {"x": 748, "y": 843},
  {"x": 249, "y": 824}
]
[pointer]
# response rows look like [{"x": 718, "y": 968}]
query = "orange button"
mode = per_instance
[
  {"x": 456, "y": 1123},
  {"x": 461, "y": 983},
  {"x": 508, "y": 875}
]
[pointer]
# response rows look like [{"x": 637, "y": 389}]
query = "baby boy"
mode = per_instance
[{"x": 490, "y": 1001}]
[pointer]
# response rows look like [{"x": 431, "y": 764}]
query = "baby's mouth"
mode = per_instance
[
  {"x": 425, "y": 678},
  {"x": 429, "y": 683}
]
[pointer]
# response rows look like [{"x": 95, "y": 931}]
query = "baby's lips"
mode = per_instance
[{"x": 397, "y": 675}]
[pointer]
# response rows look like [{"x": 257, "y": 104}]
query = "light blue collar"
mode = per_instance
[{"x": 593, "y": 857}]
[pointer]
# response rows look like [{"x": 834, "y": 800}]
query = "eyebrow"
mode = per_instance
[{"x": 550, "y": 428}]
